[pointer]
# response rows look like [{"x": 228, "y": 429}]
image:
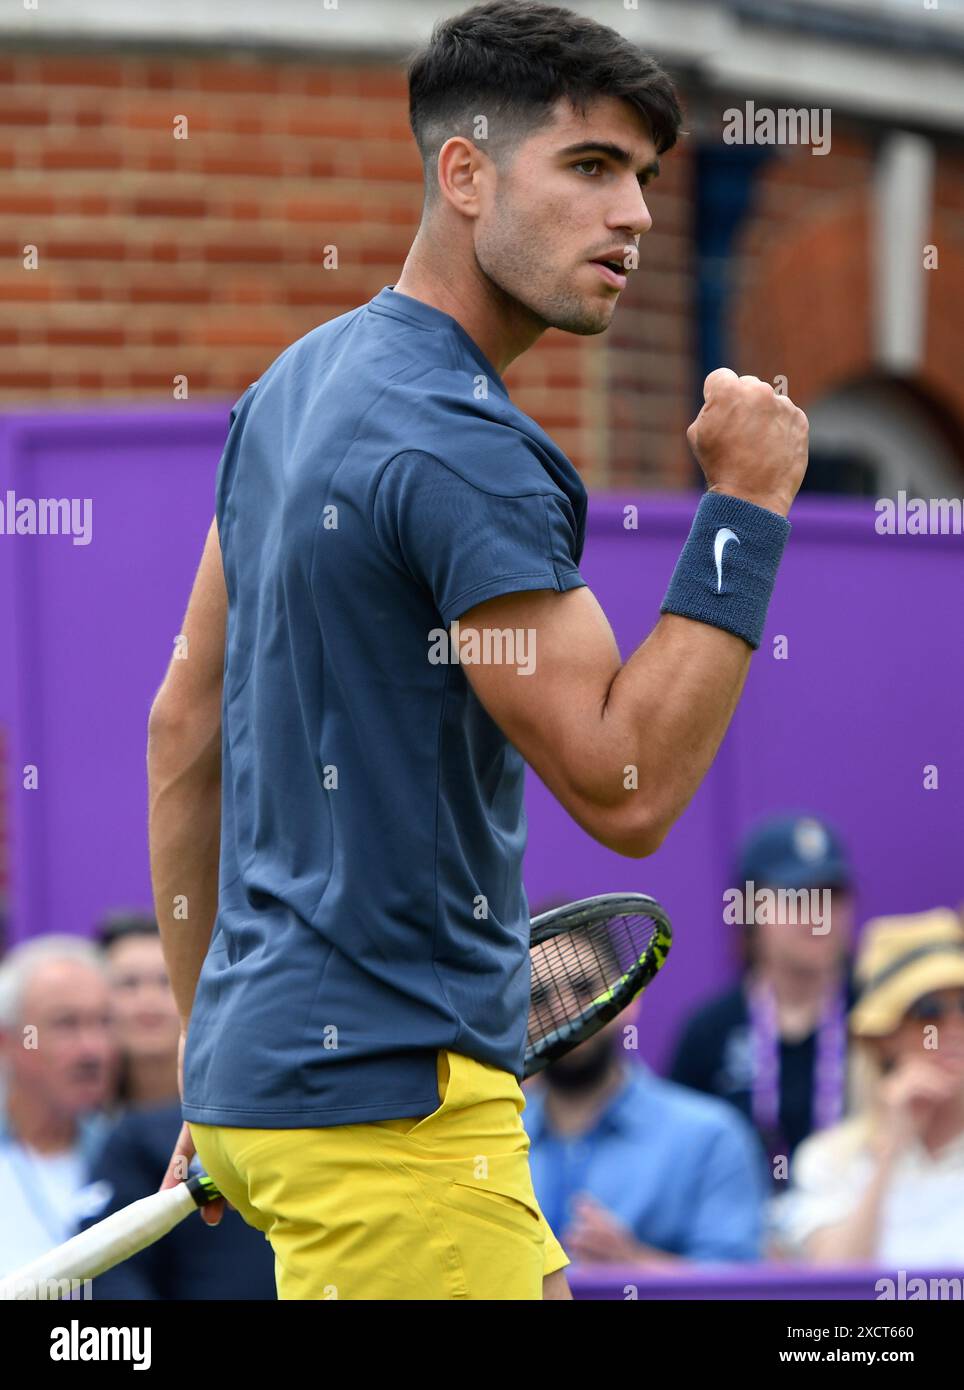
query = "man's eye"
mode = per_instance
[{"x": 586, "y": 162}]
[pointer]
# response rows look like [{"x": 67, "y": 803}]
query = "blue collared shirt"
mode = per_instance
[{"x": 683, "y": 1171}]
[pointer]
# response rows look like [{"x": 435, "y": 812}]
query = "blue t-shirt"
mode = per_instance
[
  {"x": 377, "y": 482},
  {"x": 682, "y": 1171}
]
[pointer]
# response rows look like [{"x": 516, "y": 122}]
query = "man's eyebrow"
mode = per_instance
[{"x": 615, "y": 152}]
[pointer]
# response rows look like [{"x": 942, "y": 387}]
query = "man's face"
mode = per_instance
[
  {"x": 790, "y": 941},
  {"x": 70, "y": 1064},
  {"x": 572, "y": 191},
  {"x": 562, "y": 991}
]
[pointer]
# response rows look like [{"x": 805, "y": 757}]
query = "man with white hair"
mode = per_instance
[{"x": 56, "y": 1064}]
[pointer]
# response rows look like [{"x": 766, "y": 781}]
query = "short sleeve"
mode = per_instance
[
  {"x": 467, "y": 544},
  {"x": 229, "y": 453}
]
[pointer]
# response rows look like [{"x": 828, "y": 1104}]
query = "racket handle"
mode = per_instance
[{"x": 116, "y": 1238}]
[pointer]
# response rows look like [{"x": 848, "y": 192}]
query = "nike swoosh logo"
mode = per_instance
[{"x": 723, "y": 535}]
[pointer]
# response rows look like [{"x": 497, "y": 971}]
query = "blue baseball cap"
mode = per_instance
[{"x": 796, "y": 851}]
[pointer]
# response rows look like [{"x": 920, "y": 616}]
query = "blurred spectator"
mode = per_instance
[
  {"x": 145, "y": 1013},
  {"x": 775, "y": 1045},
  {"x": 888, "y": 1185},
  {"x": 189, "y": 1263},
  {"x": 629, "y": 1168},
  {"x": 57, "y": 1058}
]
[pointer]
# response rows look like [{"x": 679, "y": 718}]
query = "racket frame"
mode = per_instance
[{"x": 559, "y": 921}]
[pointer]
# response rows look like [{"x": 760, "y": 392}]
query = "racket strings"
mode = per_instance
[{"x": 576, "y": 973}]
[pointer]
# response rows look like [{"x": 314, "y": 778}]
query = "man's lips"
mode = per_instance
[
  {"x": 614, "y": 260},
  {"x": 614, "y": 277}
]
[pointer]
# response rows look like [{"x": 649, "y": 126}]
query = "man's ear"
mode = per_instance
[{"x": 458, "y": 162}]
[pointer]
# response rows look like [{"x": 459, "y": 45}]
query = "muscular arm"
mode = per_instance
[
  {"x": 184, "y": 782},
  {"x": 624, "y": 747},
  {"x": 584, "y": 720}
]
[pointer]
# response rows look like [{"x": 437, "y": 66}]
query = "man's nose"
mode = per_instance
[
  {"x": 644, "y": 220},
  {"x": 94, "y": 1042},
  {"x": 632, "y": 216}
]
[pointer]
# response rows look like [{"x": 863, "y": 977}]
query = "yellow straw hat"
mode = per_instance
[{"x": 900, "y": 960}]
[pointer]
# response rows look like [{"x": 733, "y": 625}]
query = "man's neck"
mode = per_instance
[
  {"x": 571, "y": 1113},
  {"x": 500, "y": 327},
  {"x": 800, "y": 1000},
  {"x": 30, "y": 1121}
]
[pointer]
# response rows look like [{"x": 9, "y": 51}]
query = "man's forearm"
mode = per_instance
[
  {"x": 622, "y": 746},
  {"x": 668, "y": 709},
  {"x": 184, "y": 789},
  {"x": 672, "y": 702}
]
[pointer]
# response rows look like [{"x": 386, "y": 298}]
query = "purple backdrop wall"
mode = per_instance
[
  {"x": 770, "y": 1282},
  {"x": 870, "y": 692}
]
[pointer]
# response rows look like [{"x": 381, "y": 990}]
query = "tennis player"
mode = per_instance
[{"x": 388, "y": 622}]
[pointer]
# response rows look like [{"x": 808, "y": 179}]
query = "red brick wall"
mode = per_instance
[
  {"x": 204, "y": 256},
  {"x": 804, "y": 276},
  {"x": 945, "y": 306},
  {"x": 803, "y": 273},
  {"x": 651, "y": 346}
]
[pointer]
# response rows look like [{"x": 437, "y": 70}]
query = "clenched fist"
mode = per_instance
[{"x": 750, "y": 442}]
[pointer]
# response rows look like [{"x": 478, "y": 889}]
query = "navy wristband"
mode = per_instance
[{"x": 726, "y": 571}]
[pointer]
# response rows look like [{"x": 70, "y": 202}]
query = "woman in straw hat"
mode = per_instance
[{"x": 887, "y": 1185}]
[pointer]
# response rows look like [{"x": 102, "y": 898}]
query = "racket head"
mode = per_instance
[{"x": 590, "y": 960}]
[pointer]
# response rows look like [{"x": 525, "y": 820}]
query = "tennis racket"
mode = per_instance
[
  {"x": 590, "y": 959},
  {"x": 109, "y": 1243}
]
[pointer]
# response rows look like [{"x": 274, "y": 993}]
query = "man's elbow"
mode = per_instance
[
  {"x": 179, "y": 733},
  {"x": 629, "y": 831},
  {"x": 165, "y": 724}
]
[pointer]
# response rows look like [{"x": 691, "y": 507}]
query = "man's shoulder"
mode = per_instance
[
  {"x": 455, "y": 411},
  {"x": 396, "y": 412},
  {"x": 318, "y": 341},
  {"x": 497, "y": 467}
]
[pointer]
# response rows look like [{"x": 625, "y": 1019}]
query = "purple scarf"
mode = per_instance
[{"x": 829, "y": 1073}]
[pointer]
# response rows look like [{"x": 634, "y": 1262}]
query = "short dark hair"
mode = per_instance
[
  {"x": 118, "y": 926},
  {"x": 514, "y": 60}
]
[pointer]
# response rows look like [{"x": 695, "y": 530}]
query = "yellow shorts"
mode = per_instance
[{"x": 440, "y": 1207}]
